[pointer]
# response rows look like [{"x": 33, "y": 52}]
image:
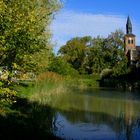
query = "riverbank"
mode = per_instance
[
  {"x": 26, "y": 119},
  {"x": 30, "y": 116},
  {"x": 52, "y": 83},
  {"x": 33, "y": 114},
  {"x": 129, "y": 81}
]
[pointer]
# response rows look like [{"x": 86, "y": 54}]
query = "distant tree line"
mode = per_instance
[{"x": 89, "y": 55}]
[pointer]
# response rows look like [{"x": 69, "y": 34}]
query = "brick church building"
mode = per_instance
[{"x": 131, "y": 50}]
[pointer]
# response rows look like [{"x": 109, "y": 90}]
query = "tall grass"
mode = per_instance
[
  {"x": 47, "y": 85},
  {"x": 31, "y": 117},
  {"x": 83, "y": 81}
]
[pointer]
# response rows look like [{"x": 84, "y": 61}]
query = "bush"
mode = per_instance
[
  {"x": 7, "y": 96},
  {"x": 106, "y": 73},
  {"x": 62, "y": 67},
  {"x": 51, "y": 76}
]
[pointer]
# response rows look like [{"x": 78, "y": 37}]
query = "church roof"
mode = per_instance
[{"x": 128, "y": 26}]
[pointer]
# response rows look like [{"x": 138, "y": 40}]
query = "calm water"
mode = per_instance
[{"x": 97, "y": 115}]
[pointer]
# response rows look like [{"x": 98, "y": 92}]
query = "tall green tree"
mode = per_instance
[
  {"x": 115, "y": 52},
  {"x": 75, "y": 51},
  {"x": 24, "y": 29},
  {"x": 62, "y": 67},
  {"x": 108, "y": 53},
  {"x": 96, "y": 55},
  {"x": 114, "y": 47}
]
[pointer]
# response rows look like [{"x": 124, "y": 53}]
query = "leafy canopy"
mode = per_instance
[
  {"x": 24, "y": 29},
  {"x": 92, "y": 55}
]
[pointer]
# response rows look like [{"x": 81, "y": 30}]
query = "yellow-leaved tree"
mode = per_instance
[{"x": 24, "y": 31}]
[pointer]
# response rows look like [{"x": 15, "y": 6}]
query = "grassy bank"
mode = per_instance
[
  {"x": 25, "y": 118},
  {"x": 30, "y": 116},
  {"x": 50, "y": 84},
  {"x": 85, "y": 81},
  {"x": 46, "y": 85}
]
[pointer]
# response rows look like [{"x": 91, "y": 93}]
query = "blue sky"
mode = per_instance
[{"x": 94, "y": 17}]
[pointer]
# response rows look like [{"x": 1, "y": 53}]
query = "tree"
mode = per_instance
[
  {"x": 115, "y": 46},
  {"x": 96, "y": 55},
  {"x": 75, "y": 51},
  {"x": 108, "y": 53},
  {"x": 24, "y": 29},
  {"x": 62, "y": 67}
]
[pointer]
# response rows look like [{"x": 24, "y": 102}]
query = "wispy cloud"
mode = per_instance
[{"x": 68, "y": 24}]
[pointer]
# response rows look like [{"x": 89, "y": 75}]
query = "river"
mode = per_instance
[{"x": 97, "y": 114}]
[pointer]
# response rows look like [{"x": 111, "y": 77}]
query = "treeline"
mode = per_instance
[
  {"x": 87, "y": 55},
  {"x": 101, "y": 59}
]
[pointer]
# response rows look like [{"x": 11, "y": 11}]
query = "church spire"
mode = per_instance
[{"x": 128, "y": 26}]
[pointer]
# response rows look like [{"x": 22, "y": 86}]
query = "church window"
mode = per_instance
[
  {"x": 132, "y": 41},
  {"x": 129, "y": 41}
]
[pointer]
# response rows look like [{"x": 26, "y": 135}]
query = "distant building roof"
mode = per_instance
[{"x": 128, "y": 26}]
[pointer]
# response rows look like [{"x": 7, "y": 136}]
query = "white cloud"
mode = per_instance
[{"x": 68, "y": 24}]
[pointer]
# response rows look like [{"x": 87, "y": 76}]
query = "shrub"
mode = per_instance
[
  {"x": 51, "y": 76},
  {"x": 62, "y": 67},
  {"x": 7, "y": 96},
  {"x": 106, "y": 73}
]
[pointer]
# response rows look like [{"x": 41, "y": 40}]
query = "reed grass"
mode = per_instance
[
  {"x": 50, "y": 84},
  {"x": 47, "y": 85}
]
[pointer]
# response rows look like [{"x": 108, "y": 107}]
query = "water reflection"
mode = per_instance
[{"x": 97, "y": 115}]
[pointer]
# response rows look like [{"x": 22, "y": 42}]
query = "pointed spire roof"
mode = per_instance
[
  {"x": 128, "y": 26},
  {"x": 129, "y": 21}
]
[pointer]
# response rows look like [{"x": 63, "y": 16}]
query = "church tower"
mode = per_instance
[{"x": 129, "y": 42}]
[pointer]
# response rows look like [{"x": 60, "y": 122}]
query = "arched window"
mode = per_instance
[
  {"x": 132, "y": 41},
  {"x": 129, "y": 41}
]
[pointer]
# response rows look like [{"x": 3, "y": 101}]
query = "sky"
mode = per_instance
[{"x": 78, "y": 18}]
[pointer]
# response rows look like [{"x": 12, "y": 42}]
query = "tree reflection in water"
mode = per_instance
[
  {"x": 93, "y": 117},
  {"x": 117, "y": 128}
]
